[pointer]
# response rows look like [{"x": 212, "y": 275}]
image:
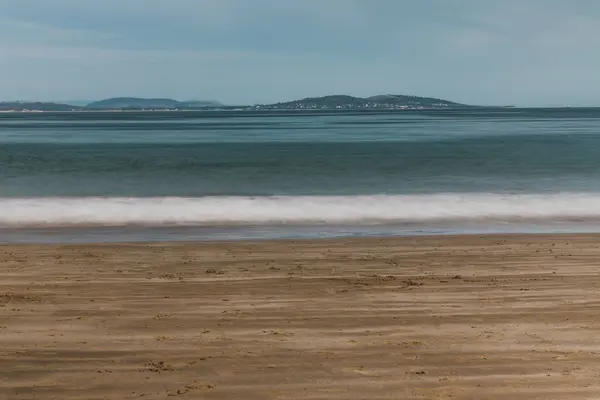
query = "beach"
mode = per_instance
[{"x": 462, "y": 317}]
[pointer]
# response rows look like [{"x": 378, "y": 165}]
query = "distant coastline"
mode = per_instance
[{"x": 331, "y": 102}]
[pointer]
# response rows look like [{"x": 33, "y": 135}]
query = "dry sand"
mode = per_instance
[{"x": 496, "y": 317}]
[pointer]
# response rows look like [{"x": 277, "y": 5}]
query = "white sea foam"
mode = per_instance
[{"x": 214, "y": 211}]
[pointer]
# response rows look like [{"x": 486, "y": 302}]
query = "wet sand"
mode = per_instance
[{"x": 464, "y": 317}]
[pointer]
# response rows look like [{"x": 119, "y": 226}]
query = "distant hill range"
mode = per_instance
[
  {"x": 391, "y": 101},
  {"x": 120, "y": 103},
  {"x": 333, "y": 102},
  {"x": 36, "y": 106}
]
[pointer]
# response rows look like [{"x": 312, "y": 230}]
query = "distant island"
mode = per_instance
[
  {"x": 35, "y": 106},
  {"x": 332, "y": 102},
  {"x": 385, "y": 101},
  {"x": 112, "y": 104},
  {"x": 139, "y": 103}
]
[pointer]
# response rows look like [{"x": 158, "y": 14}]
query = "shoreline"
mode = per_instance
[
  {"x": 193, "y": 235},
  {"x": 336, "y": 240},
  {"x": 507, "y": 316},
  {"x": 228, "y": 234}
]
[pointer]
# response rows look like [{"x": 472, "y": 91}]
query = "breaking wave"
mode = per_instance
[{"x": 296, "y": 210}]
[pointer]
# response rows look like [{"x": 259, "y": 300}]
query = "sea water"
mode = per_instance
[{"x": 102, "y": 176}]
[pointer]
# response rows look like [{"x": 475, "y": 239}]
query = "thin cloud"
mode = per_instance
[{"x": 242, "y": 51}]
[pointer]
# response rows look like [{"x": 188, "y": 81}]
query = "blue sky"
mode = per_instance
[{"x": 523, "y": 52}]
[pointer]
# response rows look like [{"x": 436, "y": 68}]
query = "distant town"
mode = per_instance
[{"x": 333, "y": 102}]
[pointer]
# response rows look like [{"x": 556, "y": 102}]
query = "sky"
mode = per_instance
[{"x": 487, "y": 52}]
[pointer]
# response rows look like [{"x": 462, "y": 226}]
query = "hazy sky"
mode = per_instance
[{"x": 523, "y": 52}]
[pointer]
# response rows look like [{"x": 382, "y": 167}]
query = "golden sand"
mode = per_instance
[{"x": 464, "y": 317}]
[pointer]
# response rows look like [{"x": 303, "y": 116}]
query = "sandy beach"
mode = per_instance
[{"x": 464, "y": 317}]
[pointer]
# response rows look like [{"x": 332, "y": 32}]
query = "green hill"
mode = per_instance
[
  {"x": 141, "y": 103},
  {"x": 413, "y": 100},
  {"x": 351, "y": 102},
  {"x": 36, "y": 106}
]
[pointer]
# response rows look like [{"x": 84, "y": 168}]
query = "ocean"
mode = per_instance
[{"x": 129, "y": 176}]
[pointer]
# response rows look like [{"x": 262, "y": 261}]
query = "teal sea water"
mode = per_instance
[{"x": 224, "y": 175}]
